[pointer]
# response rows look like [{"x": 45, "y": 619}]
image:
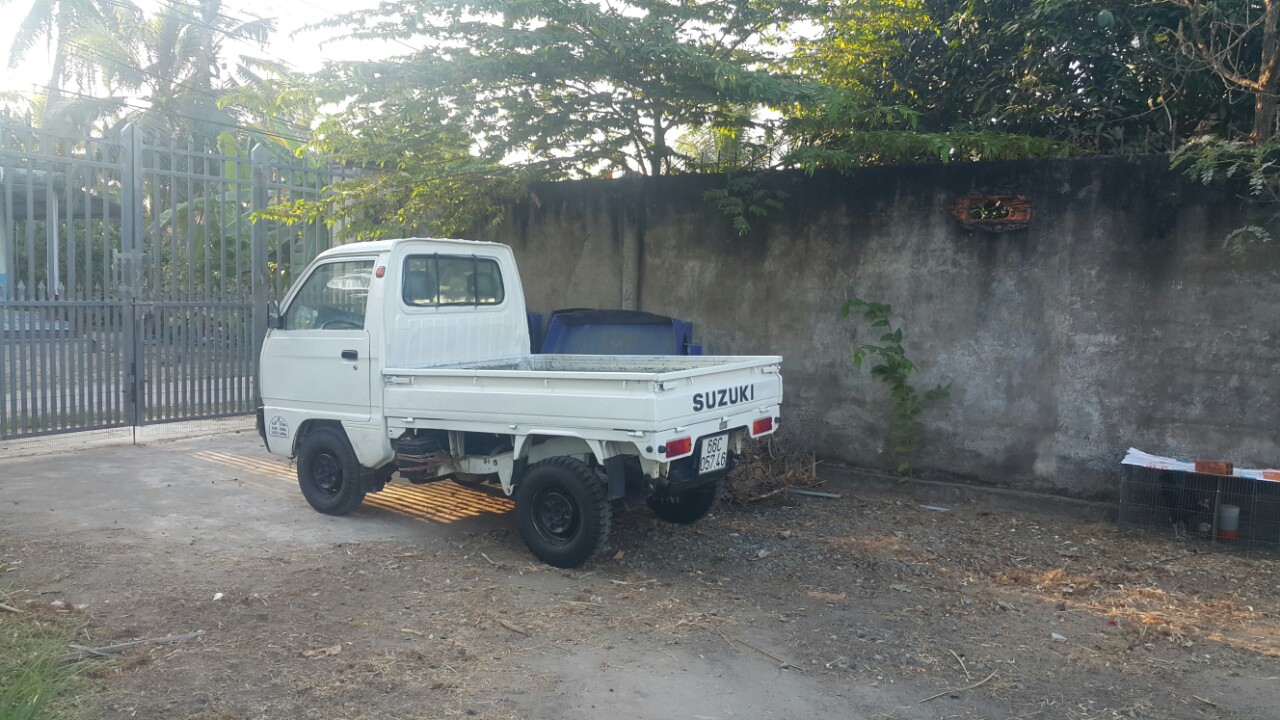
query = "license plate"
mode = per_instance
[{"x": 715, "y": 454}]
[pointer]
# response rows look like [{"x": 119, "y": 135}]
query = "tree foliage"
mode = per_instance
[
  {"x": 1239, "y": 42},
  {"x": 1253, "y": 169},
  {"x": 577, "y": 86},
  {"x": 174, "y": 61},
  {"x": 57, "y": 22},
  {"x": 1098, "y": 76},
  {"x": 166, "y": 70},
  {"x": 416, "y": 177},
  {"x": 506, "y": 91}
]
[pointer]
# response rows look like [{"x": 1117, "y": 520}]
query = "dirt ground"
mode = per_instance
[{"x": 425, "y": 604}]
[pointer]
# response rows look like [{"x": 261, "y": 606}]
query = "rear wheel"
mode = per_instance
[
  {"x": 686, "y": 507},
  {"x": 331, "y": 478},
  {"x": 563, "y": 511}
]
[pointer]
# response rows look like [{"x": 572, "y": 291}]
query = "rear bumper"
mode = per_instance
[
  {"x": 683, "y": 474},
  {"x": 742, "y": 421}
]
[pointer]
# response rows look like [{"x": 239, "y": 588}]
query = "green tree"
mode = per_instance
[
  {"x": 577, "y": 86},
  {"x": 413, "y": 176},
  {"x": 175, "y": 61},
  {"x": 860, "y": 42},
  {"x": 1239, "y": 42},
  {"x": 508, "y": 91},
  {"x": 1098, "y": 76},
  {"x": 57, "y": 22},
  {"x": 868, "y": 49}
]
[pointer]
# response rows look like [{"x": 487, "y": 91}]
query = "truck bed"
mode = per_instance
[
  {"x": 608, "y": 392},
  {"x": 639, "y": 365}
]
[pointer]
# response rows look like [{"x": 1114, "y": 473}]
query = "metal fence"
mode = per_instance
[
  {"x": 134, "y": 276},
  {"x": 1233, "y": 511}
]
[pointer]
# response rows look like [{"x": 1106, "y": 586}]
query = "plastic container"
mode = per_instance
[{"x": 1228, "y": 521}]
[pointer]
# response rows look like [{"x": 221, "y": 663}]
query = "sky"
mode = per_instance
[{"x": 302, "y": 51}]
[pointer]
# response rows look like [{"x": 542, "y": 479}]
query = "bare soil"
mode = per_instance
[{"x": 425, "y": 604}]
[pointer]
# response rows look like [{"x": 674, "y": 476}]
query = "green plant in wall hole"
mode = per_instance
[{"x": 892, "y": 366}]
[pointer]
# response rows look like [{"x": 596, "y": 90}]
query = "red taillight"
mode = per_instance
[
  {"x": 762, "y": 426},
  {"x": 382, "y": 270},
  {"x": 676, "y": 448}
]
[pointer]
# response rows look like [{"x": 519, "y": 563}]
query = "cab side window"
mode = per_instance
[
  {"x": 333, "y": 297},
  {"x": 451, "y": 280}
]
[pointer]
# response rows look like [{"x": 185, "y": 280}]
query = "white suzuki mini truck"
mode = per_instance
[{"x": 411, "y": 357}]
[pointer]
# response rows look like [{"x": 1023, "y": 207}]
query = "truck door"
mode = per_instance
[{"x": 318, "y": 359}]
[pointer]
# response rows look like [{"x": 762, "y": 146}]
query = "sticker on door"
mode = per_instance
[{"x": 279, "y": 427}]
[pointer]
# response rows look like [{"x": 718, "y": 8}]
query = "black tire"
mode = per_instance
[
  {"x": 563, "y": 511},
  {"x": 331, "y": 478},
  {"x": 686, "y": 507}
]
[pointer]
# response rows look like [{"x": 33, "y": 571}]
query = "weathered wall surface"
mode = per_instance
[{"x": 1115, "y": 320}]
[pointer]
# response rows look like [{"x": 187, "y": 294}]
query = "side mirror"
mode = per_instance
[{"x": 274, "y": 318}]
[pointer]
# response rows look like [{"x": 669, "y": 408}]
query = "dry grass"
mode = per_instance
[{"x": 768, "y": 468}]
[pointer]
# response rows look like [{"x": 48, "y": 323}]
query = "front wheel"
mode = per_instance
[
  {"x": 563, "y": 511},
  {"x": 686, "y": 507},
  {"x": 329, "y": 474}
]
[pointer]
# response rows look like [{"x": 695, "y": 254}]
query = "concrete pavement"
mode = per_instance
[{"x": 221, "y": 491}]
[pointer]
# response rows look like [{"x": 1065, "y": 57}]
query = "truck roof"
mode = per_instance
[{"x": 379, "y": 246}]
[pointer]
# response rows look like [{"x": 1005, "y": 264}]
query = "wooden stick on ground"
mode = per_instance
[
  {"x": 734, "y": 638},
  {"x": 758, "y": 498},
  {"x": 82, "y": 653},
  {"x": 976, "y": 685},
  {"x": 10, "y": 608},
  {"x": 960, "y": 660},
  {"x": 513, "y": 628}
]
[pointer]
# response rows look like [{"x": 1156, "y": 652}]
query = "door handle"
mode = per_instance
[{"x": 350, "y": 355}]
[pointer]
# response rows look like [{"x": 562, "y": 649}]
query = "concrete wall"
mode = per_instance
[{"x": 1115, "y": 320}]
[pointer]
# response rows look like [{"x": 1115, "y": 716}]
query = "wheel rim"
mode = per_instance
[
  {"x": 328, "y": 474},
  {"x": 555, "y": 516}
]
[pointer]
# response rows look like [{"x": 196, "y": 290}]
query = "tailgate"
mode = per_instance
[{"x": 722, "y": 394}]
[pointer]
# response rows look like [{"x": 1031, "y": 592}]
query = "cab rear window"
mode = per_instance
[{"x": 451, "y": 280}]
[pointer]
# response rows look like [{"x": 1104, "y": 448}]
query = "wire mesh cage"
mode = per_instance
[{"x": 1229, "y": 510}]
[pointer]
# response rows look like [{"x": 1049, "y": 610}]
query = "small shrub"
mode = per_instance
[{"x": 894, "y": 368}]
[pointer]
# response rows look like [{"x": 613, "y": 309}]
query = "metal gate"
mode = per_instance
[{"x": 134, "y": 275}]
